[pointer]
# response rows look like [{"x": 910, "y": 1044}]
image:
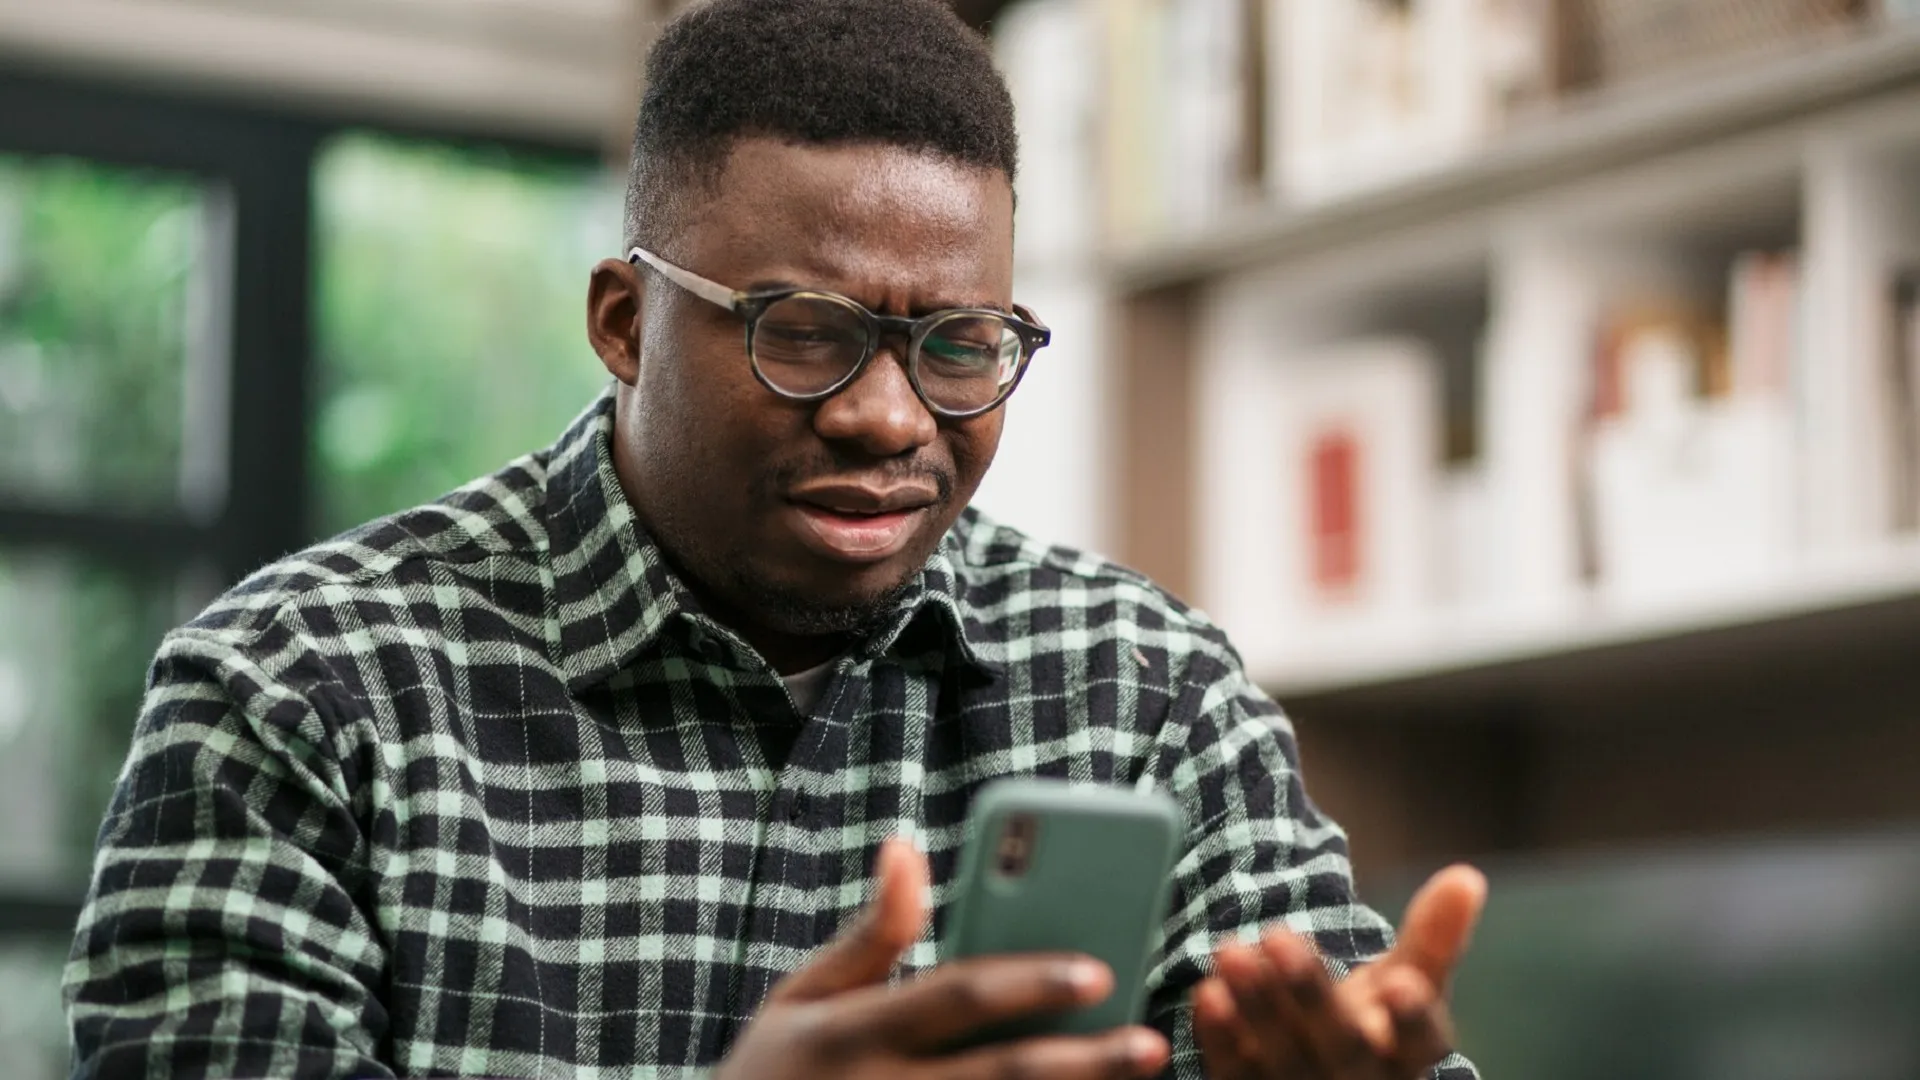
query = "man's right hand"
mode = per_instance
[{"x": 838, "y": 1017}]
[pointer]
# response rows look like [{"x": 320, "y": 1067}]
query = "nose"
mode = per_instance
[{"x": 879, "y": 412}]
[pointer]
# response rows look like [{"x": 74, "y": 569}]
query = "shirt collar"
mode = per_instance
[{"x": 614, "y": 593}]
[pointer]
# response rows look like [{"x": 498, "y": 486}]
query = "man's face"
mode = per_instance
[{"x": 807, "y": 518}]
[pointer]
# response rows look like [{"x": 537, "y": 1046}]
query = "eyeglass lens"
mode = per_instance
[{"x": 806, "y": 345}]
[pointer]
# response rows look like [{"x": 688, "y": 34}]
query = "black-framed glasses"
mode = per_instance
[{"x": 808, "y": 344}]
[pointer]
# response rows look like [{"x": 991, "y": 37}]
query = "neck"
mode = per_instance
[{"x": 786, "y": 653}]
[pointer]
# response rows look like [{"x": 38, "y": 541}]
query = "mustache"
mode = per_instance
[{"x": 888, "y": 473}]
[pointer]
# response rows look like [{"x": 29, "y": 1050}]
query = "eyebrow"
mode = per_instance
[{"x": 768, "y": 285}]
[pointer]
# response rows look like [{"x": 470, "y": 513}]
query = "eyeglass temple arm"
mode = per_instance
[{"x": 711, "y": 291}]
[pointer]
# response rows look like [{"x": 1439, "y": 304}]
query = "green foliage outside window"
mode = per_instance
[
  {"x": 99, "y": 270},
  {"x": 96, "y": 269},
  {"x": 33, "y": 1040},
  {"x": 450, "y": 324},
  {"x": 451, "y": 327},
  {"x": 74, "y": 647}
]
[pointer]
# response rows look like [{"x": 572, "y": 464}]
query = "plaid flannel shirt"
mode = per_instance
[{"x": 477, "y": 790}]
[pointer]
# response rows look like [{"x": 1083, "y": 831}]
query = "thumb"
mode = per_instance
[
  {"x": 866, "y": 951},
  {"x": 1439, "y": 922}
]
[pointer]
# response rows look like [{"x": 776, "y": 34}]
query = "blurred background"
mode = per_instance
[{"x": 1531, "y": 387}]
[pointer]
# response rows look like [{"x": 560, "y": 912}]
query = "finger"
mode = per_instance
[
  {"x": 959, "y": 999},
  {"x": 1422, "y": 1033},
  {"x": 1325, "y": 1029},
  {"x": 1247, "y": 1040},
  {"x": 1439, "y": 922},
  {"x": 1123, "y": 1052},
  {"x": 1262, "y": 1005},
  {"x": 1359, "y": 995},
  {"x": 865, "y": 952},
  {"x": 1213, "y": 1002},
  {"x": 1226, "y": 1046}
]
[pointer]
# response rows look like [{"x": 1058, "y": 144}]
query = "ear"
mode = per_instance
[{"x": 615, "y": 302}]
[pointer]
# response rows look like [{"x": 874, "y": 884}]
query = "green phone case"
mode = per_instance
[{"x": 1096, "y": 882}]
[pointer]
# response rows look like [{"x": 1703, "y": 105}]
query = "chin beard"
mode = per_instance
[
  {"x": 733, "y": 594},
  {"x": 790, "y": 612}
]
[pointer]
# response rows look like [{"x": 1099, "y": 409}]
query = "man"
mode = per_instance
[{"x": 589, "y": 768}]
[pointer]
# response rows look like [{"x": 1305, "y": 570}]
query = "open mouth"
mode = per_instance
[{"x": 857, "y": 535}]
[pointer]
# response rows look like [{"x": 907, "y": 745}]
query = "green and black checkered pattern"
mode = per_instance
[{"x": 476, "y": 790}]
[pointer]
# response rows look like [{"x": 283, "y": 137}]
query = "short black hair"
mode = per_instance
[{"x": 906, "y": 72}]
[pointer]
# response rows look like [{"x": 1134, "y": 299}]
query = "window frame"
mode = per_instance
[{"x": 263, "y": 158}]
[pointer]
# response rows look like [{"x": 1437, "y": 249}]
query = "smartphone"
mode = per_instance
[{"x": 1050, "y": 866}]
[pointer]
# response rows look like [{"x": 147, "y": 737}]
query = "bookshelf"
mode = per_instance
[
  {"x": 1545, "y": 683},
  {"x": 1603, "y": 131},
  {"x": 1870, "y": 587}
]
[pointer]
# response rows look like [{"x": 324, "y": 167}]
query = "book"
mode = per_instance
[
  {"x": 1631, "y": 41},
  {"x": 1357, "y": 425},
  {"x": 1689, "y": 484},
  {"x": 1762, "y": 303},
  {"x": 1366, "y": 92},
  {"x": 1050, "y": 52},
  {"x": 1468, "y": 576},
  {"x": 1858, "y": 223},
  {"x": 1207, "y": 145},
  {"x": 1520, "y": 57},
  {"x": 1133, "y": 126},
  {"x": 1182, "y": 98}
]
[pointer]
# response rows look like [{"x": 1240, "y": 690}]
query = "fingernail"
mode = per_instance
[
  {"x": 1143, "y": 1047},
  {"x": 1084, "y": 976}
]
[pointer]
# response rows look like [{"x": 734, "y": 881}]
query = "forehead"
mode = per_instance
[{"x": 868, "y": 219}]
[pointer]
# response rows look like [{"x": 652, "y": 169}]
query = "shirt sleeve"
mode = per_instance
[
  {"x": 1259, "y": 852},
  {"x": 222, "y": 936}
]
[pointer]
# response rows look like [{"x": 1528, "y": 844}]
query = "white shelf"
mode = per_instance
[
  {"x": 546, "y": 68},
  {"x": 1607, "y": 131},
  {"x": 1449, "y": 643}
]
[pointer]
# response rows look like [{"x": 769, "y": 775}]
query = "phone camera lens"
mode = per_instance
[{"x": 1015, "y": 848}]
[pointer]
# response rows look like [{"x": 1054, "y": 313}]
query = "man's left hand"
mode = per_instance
[{"x": 1270, "y": 1012}]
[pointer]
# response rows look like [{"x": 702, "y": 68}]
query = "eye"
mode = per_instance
[
  {"x": 951, "y": 350},
  {"x": 804, "y": 330},
  {"x": 971, "y": 347},
  {"x": 801, "y": 335}
]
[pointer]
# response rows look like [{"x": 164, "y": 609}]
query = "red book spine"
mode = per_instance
[{"x": 1334, "y": 512}]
